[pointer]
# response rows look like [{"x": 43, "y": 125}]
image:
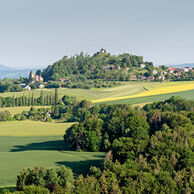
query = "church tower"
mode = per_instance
[{"x": 31, "y": 76}]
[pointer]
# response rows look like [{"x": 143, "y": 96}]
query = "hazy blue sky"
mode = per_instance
[{"x": 36, "y": 33}]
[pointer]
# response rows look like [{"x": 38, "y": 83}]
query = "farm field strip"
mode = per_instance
[
  {"x": 141, "y": 101},
  {"x": 152, "y": 92}
]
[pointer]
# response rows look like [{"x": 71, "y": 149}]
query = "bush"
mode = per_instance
[
  {"x": 5, "y": 116},
  {"x": 46, "y": 178},
  {"x": 35, "y": 190}
]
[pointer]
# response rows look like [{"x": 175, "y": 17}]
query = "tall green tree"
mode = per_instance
[{"x": 56, "y": 96}]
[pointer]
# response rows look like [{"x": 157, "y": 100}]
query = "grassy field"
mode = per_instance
[
  {"x": 29, "y": 144},
  {"x": 125, "y": 90},
  {"x": 32, "y": 128}
]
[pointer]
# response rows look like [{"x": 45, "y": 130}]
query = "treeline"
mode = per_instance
[
  {"x": 45, "y": 99},
  {"x": 99, "y": 126},
  {"x": 101, "y": 65},
  {"x": 11, "y": 85},
  {"x": 174, "y": 104},
  {"x": 68, "y": 109},
  {"x": 40, "y": 114},
  {"x": 149, "y": 150},
  {"x": 82, "y": 82}
]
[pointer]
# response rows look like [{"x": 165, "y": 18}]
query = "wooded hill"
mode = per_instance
[{"x": 102, "y": 65}]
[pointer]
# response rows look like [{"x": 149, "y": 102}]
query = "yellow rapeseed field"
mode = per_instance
[{"x": 154, "y": 91}]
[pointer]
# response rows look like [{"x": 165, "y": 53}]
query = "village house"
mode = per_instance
[
  {"x": 39, "y": 86},
  {"x": 178, "y": 74},
  {"x": 133, "y": 77},
  {"x": 143, "y": 78},
  {"x": 25, "y": 87},
  {"x": 171, "y": 69},
  {"x": 150, "y": 78},
  {"x": 28, "y": 87},
  {"x": 162, "y": 77},
  {"x": 38, "y": 78},
  {"x": 187, "y": 69},
  {"x": 142, "y": 65},
  {"x": 155, "y": 72}
]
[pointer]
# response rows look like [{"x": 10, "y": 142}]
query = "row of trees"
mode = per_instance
[
  {"x": 45, "y": 99},
  {"x": 68, "y": 109}
]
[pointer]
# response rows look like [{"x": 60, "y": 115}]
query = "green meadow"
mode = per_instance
[{"x": 28, "y": 144}]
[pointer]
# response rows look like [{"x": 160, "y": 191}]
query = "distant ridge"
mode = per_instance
[
  {"x": 3, "y": 67},
  {"x": 11, "y": 73},
  {"x": 181, "y": 65}
]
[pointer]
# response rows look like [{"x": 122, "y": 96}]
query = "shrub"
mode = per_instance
[{"x": 46, "y": 178}]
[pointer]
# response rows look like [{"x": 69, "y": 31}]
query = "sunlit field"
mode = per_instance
[{"x": 32, "y": 128}]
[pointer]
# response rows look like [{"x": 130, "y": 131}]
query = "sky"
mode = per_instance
[{"x": 36, "y": 33}]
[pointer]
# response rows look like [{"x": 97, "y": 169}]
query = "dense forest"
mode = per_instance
[{"x": 149, "y": 150}]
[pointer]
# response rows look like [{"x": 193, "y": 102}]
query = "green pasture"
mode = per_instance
[
  {"x": 18, "y": 153},
  {"x": 25, "y": 144}
]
